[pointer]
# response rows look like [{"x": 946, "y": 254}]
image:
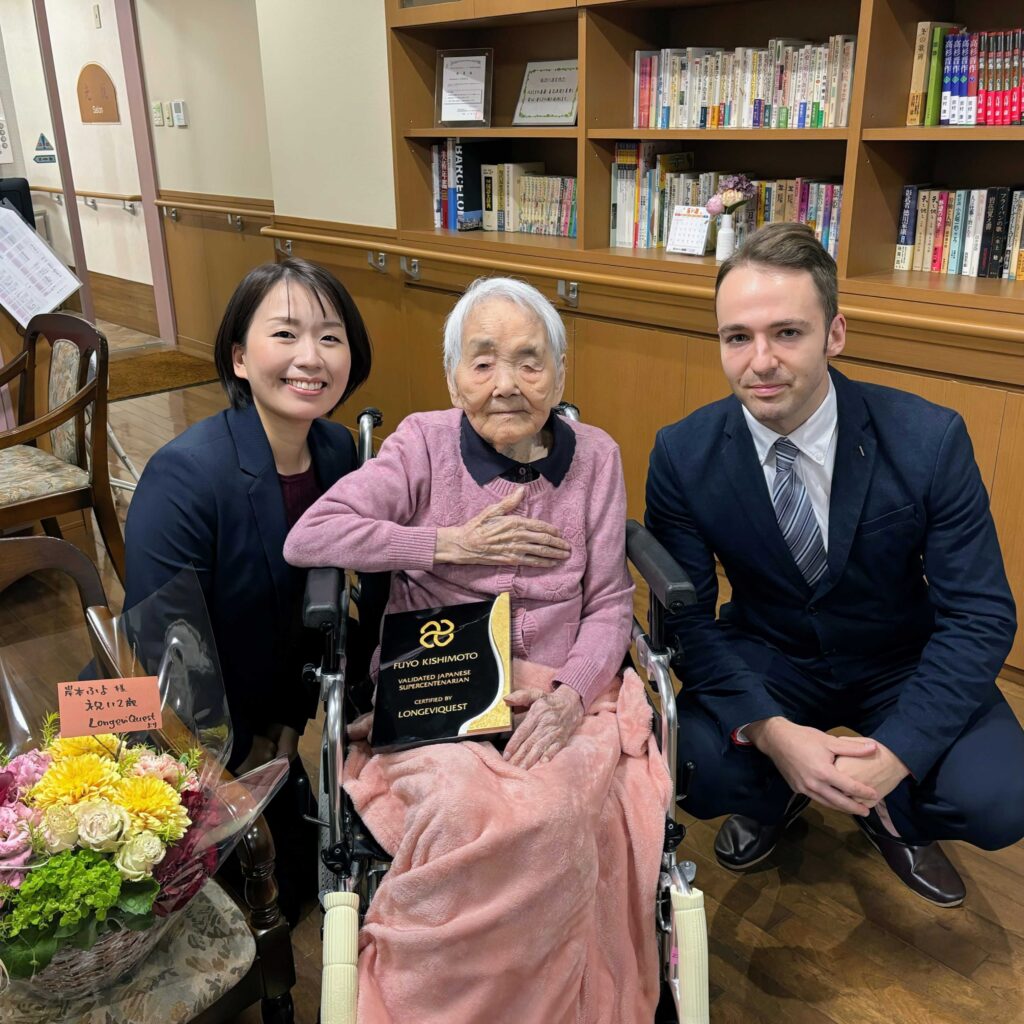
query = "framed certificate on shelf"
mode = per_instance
[
  {"x": 549, "y": 94},
  {"x": 462, "y": 89}
]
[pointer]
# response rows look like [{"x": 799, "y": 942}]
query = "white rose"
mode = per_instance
[
  {"x": 138, "y": 856},
  {"x": 102, "y": 825},
  {"x": 60, "y": 828}
]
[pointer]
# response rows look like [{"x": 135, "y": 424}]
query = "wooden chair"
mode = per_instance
[
  {"x": 40, "y": 485},
  {"x": 237, "y": 975}
]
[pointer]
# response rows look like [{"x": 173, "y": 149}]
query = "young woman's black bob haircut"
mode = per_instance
[{"x": 330, "y": 293}]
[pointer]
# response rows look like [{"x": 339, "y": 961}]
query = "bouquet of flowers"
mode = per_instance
[
  {"x": 103, "y": 838},
  {"x": 733, "y": 191}
]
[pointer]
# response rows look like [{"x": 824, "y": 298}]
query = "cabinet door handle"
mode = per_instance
[
  {"x": 410, "y": 267},
  {"x": 569, "y": 292}
]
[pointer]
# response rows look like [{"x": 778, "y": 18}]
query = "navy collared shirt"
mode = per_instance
[{"x": 485, "y": 463}]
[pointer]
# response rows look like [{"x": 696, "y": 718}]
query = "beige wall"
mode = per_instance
[
  {"x": 325, "y": 74},
  {"x": 102, "y": 155},
  {"x": 207, "y": 52}
]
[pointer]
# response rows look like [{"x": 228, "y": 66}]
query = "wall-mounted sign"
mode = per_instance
[
  {"x": 97, "y": 98},
  {"x": 43, "y": 145},
  {"x": 44, "y": 158}
]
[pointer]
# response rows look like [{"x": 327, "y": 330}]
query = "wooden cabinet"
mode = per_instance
[{"x": 1008, "y": 509}]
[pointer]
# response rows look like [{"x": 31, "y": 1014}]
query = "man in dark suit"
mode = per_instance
[{"x": 868, "y": 591}]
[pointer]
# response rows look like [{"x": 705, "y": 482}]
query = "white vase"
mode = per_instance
[{"x": 726, "y": 242}]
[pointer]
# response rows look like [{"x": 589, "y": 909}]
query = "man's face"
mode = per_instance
[{"x": 775, "y": 343}]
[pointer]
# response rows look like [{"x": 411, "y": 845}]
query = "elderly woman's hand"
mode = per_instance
[
  {"x": 547, "y": 727},
  {"x": 496, "y": 538}
]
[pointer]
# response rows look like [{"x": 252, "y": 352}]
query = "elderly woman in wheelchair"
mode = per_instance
[{"x": 522, "y": 882}]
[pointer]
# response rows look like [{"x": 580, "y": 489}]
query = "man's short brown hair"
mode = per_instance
[{"x": 789, "y": 247}]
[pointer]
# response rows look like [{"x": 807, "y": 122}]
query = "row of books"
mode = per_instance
[
  {"x": 965, "y": 78},
  {"x": 972, "y": 232},
  {"x": 469, "y": 195},
  {"x": 648, "y": 184},
  {"x": 791, "y": 83}
]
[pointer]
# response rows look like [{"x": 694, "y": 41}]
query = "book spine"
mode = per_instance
[
  {"x": 828, "y": 194},
  {"x": 939, "y": 232},
  {"x": 981, "y": 116},
  {"x": 933, "y": 98},
  {"x": 919, "y": 74},
  {"x": 1018, "y": 239},
  {"x": 488, "y": 174},
  {"x": 972, "y": 80},
  {"x": 652, "y": 106},
  {"x": 1015, "y": 67},
  {"x": 963, "y": 48},
  {"x": 993, "y": 98},
  {"x": 645, "y": 93},
  {"x": 1000, "y": 224},
  {"x": 846, "y": 83},
  {"x": 947, "y": 76},
  {"x": 445, "y": 150},
  {"x": 908, "y": 223},
  {"x": 947, "y": 233},
  {"x": 1009, "y": 256},
  {"x": 988, "y": 223},
  {"x": 435, "y": 182},
  {"x": 980, "y": 206},
  {"x": 956, "y": 245},
  {"x": 837, "y": 208},
  {"x": 920, "y": 222}
]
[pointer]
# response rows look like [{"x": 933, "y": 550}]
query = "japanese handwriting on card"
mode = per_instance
[{"x": 91, "y": 706}]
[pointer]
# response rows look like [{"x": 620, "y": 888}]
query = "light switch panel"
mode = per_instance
[
  {"x": 168, "y": 114},
  {"x": 156, "y": 109}
]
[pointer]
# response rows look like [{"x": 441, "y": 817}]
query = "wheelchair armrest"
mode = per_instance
[
  {"x": 669, "y": 584},
  {"x": 321, "y": 602}
]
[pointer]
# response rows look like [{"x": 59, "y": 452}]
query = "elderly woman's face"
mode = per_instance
[{"x": 507, "y": 381}]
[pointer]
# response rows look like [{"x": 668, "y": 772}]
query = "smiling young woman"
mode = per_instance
[{"x": 222, "y": 496}]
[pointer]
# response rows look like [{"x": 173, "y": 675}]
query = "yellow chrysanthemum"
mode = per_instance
[
  {"x": 74, "y": 779},
  {"x": 153, "y": 806},
  {"x": 103, "y": 745}
]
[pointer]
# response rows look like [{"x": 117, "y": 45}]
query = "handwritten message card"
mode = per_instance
[{"x": 92, "y": 706}]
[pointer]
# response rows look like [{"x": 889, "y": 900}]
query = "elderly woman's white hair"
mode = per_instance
[{"x": 522, "y": 294}]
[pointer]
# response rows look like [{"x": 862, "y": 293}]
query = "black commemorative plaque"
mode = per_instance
[{"x": 443, "y": 674}]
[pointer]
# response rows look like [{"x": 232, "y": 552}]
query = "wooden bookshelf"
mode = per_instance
[{"x": 874, "y": 156}]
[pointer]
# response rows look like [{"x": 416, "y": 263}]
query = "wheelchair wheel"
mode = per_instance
[{"x": 340, "y": 980}]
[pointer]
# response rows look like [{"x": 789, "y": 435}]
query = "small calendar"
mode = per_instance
[{"x": 688, "y": 232}]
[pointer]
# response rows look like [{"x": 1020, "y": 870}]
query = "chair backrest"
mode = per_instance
[
  {"x": 78, "y": 358},
  {"x": 22, "y": 556}
]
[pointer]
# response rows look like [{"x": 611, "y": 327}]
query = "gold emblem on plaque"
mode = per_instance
[{"x": 437, "y": 633}]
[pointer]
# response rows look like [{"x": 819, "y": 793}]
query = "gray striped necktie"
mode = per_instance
[{"x": 796, "y": 516}]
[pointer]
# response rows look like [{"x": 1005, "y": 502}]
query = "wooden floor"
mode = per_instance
[{"x": 823, "y": 934}]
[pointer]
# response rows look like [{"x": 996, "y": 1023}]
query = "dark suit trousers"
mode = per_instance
[{"x": 975, "y": 792}]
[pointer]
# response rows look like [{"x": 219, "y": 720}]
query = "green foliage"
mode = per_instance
[
  {"x": 136, "y": 898},
  {"x": 51, "y": 726},
  {"x": 64, "y": 892}
]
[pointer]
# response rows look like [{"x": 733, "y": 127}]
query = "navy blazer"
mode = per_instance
[
  {"x": 211, "y": 498},
  {"x": 915, "y": 574}
]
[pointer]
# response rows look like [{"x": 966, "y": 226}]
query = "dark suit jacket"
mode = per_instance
[
  {"x": 211, "y": 499},
  {"x": 914, "y": 567}
]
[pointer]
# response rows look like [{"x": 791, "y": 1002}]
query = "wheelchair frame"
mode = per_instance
[{"x": 352, "y": 864}]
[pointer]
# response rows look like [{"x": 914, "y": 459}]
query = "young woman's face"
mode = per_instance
[{"x": 296, "y": 356}]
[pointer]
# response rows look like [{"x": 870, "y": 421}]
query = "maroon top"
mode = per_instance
[{"x": 299, "y": 491}]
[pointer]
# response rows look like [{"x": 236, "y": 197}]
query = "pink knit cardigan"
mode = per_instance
[{"x": 574, "y": 617}]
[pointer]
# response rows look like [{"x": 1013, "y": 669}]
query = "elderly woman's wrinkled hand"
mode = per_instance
[
  {"x": 496, "y": 538},
  {"x": 548, "y": 725}
]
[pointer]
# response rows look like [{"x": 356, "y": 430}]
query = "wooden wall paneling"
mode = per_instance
[
  {"x": 423, "y": 315},
  {"x": 378, "y": 297},
  {"x": 630, "y": 382},
  {"x": 705, "y": 380},
  {"x": 190, "y": 283},
  {"x": 128, "y": 303},
  {"x": 1008, "y": 509},
  {"x": 981, "y": 407},
  {"x": 230, "y": 255}
]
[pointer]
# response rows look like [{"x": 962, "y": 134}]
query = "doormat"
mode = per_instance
[{"x": 153, "y": 372}]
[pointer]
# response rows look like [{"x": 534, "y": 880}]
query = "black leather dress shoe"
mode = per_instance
[
  {"x": 742, "y": 842},
  {"x": 924, "y": 869}
]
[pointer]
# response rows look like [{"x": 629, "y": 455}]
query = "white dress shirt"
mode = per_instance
[{"x": 815, "y": 440}]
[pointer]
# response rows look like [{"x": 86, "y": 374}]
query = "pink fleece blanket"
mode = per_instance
[{"x": 517, "y": 896}]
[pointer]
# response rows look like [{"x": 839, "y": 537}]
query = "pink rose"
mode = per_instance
[
  {"x": 715, "y": 206},
  {"x": 29, "y": 768},
  {"x": 165, "y": 767},
  {"x": 15, "y": 845}
]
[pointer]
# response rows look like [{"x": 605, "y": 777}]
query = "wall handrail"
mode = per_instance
[
  {"x": 235, "y": 211},
  {"x": 882, "y": 317}
]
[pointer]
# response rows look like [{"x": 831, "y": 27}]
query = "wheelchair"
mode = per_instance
[{"x": 352, "y": 863}]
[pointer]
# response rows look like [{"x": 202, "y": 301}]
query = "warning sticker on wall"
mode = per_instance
[{"x": 43, "y": 145}]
